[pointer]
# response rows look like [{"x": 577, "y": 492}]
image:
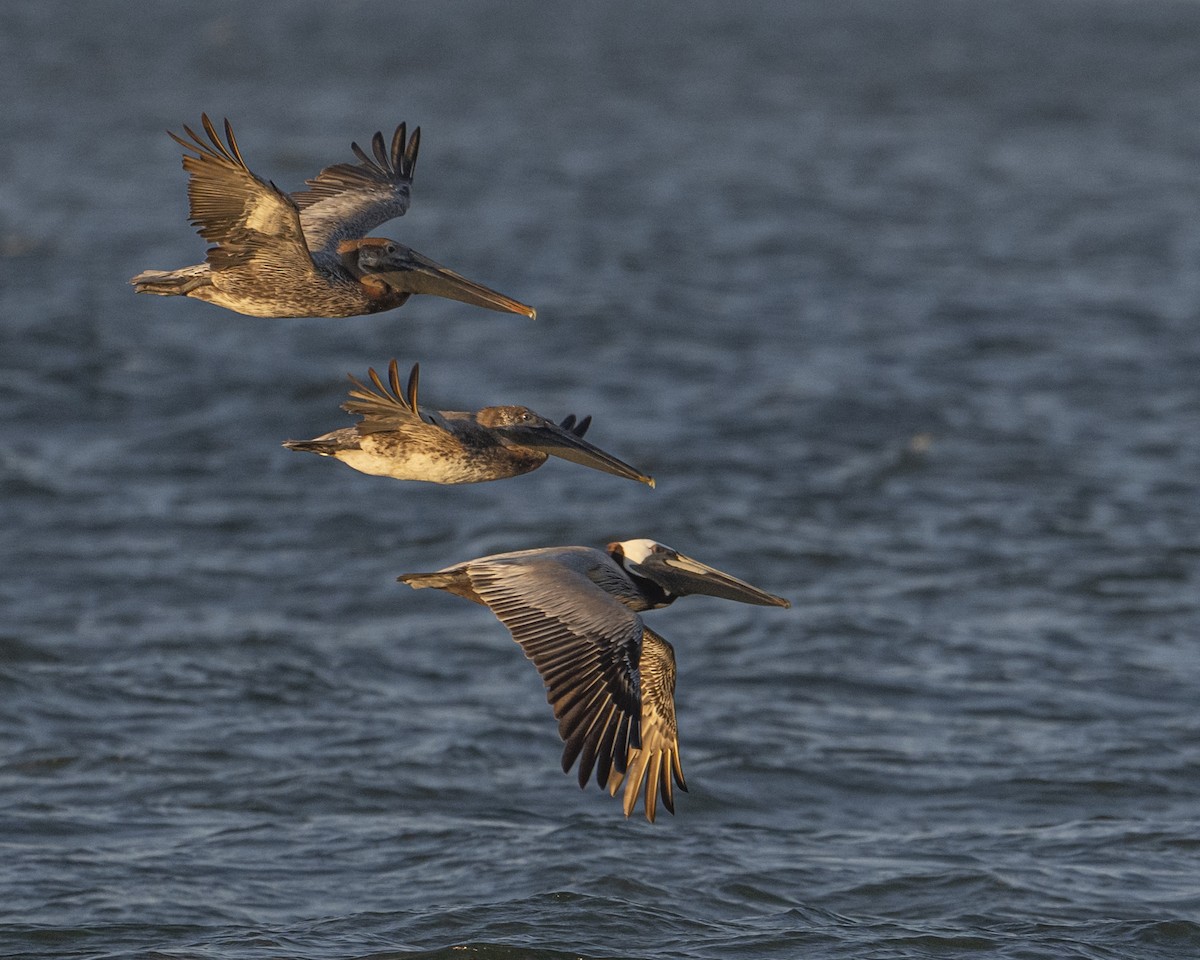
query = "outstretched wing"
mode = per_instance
[
  {"x": 589, "y": 650},
  {"x": 385, "y": 408},
  {"x": 651, "y": 768},
  {"x": 254, "y": 226},
  {"x": 348, "y": 200}
]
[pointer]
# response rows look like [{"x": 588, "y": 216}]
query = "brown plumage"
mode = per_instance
[
  {"x": 307, "y": 254},
  {"x": 397, "y": 438}
]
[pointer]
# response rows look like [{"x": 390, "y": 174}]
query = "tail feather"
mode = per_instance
[
  {"x": 320, "y": 446},
  {"x": 171, "y": 283}
]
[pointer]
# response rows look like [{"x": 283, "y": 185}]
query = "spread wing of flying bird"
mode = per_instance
[
  {"x": 307, "y": 254},
  {"x": 386, "y": 407},
  {"x": 610, "y": 679},
  {"x": 575, "y": 611},
  {"x": 348, "y": 200},
  {"x": 251, "y": 224}
]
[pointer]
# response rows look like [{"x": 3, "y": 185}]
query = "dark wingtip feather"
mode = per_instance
[
  {"x": 179, "y": 140},
  {"x": 571, "y": 749},
  {"x": 410, "y": 153},
  {"x": 621, "y": 753},
  {"x": 592, "y": 739},
  {"x": 361, "y": 154},
  {"x": 215, "y": 148},
  {"x": 413, "y": 379},
  {"x": 377, "y": 381},
  {"x": 196, "y": 144},
  {"x": 577, "y": 427},
  {"x": 394, "y": 378},
  {"x": 607, "y": 746},
  {"x": 377, "y": 148},
  {"x": 677, "y": 771},
  {"x": 210, "y": 129},
  {"x": 668, "y": 801},
  {"x": 575, "y": 740},
  {"x": 232, "y": 141},
  {"x": 397, "y": 153}
]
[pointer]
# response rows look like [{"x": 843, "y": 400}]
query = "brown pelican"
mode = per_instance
[
  {"x": 398, "y": 438},
  {"x": 609, "y": 678},
  {"x": 306, "y": 254}
]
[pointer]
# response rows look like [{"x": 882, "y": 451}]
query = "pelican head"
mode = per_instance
[
  {"x": 678, "y": 575},
  {"x": 520, "y": 426},
  {"x": 402, "y": 270}
]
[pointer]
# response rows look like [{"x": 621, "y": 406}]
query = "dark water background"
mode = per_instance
[{"x": 770, "y": 244}]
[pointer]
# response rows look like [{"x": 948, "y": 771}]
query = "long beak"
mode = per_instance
[
  {"x": 681, "y": 575},
  {"x": 422, "y": 275},
  {"x": 552, "y": 439}
]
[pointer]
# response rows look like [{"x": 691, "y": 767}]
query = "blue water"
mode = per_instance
[{"x": 899, "y": 302}]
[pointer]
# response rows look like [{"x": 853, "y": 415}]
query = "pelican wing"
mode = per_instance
[
  {"x": 254, "y": 226},
  {"x": 385, "y": 408},
  {"x": 348, "y": 200},
  {"x": 589, "y": 650},
  {"x": 651, "y": 768}
]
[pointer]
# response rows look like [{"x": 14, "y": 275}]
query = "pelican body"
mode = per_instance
[
  {"x": 609, "y": 678},
  {"x": 400, "y": 439},
  {"x": 306, "y": 254}
]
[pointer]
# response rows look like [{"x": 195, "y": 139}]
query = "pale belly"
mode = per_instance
[{"x": 431, "y": 468}]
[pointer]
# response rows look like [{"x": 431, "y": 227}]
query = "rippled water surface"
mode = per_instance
[{"x": 900, "y": 302}]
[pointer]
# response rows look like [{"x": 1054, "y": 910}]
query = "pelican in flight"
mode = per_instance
[
  {"x": 307, "y": 254},
  {"x": 398, "y": 438},
  {"x": 609, "y": 677}
]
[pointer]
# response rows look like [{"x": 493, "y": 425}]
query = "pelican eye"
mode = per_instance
[{"x": 390, "y": 249}]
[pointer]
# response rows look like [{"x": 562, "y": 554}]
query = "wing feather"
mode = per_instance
[
  {"x": 609, "y": 678},
  {"x": 593, "y": 743},
  {"x": 385, "y": 408},
  {"x": 652, "y": 766},
  {"x": 348, "y": 200},
  {"x": 586, "y": 647},
  {"x": 253, "y": 226}
]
